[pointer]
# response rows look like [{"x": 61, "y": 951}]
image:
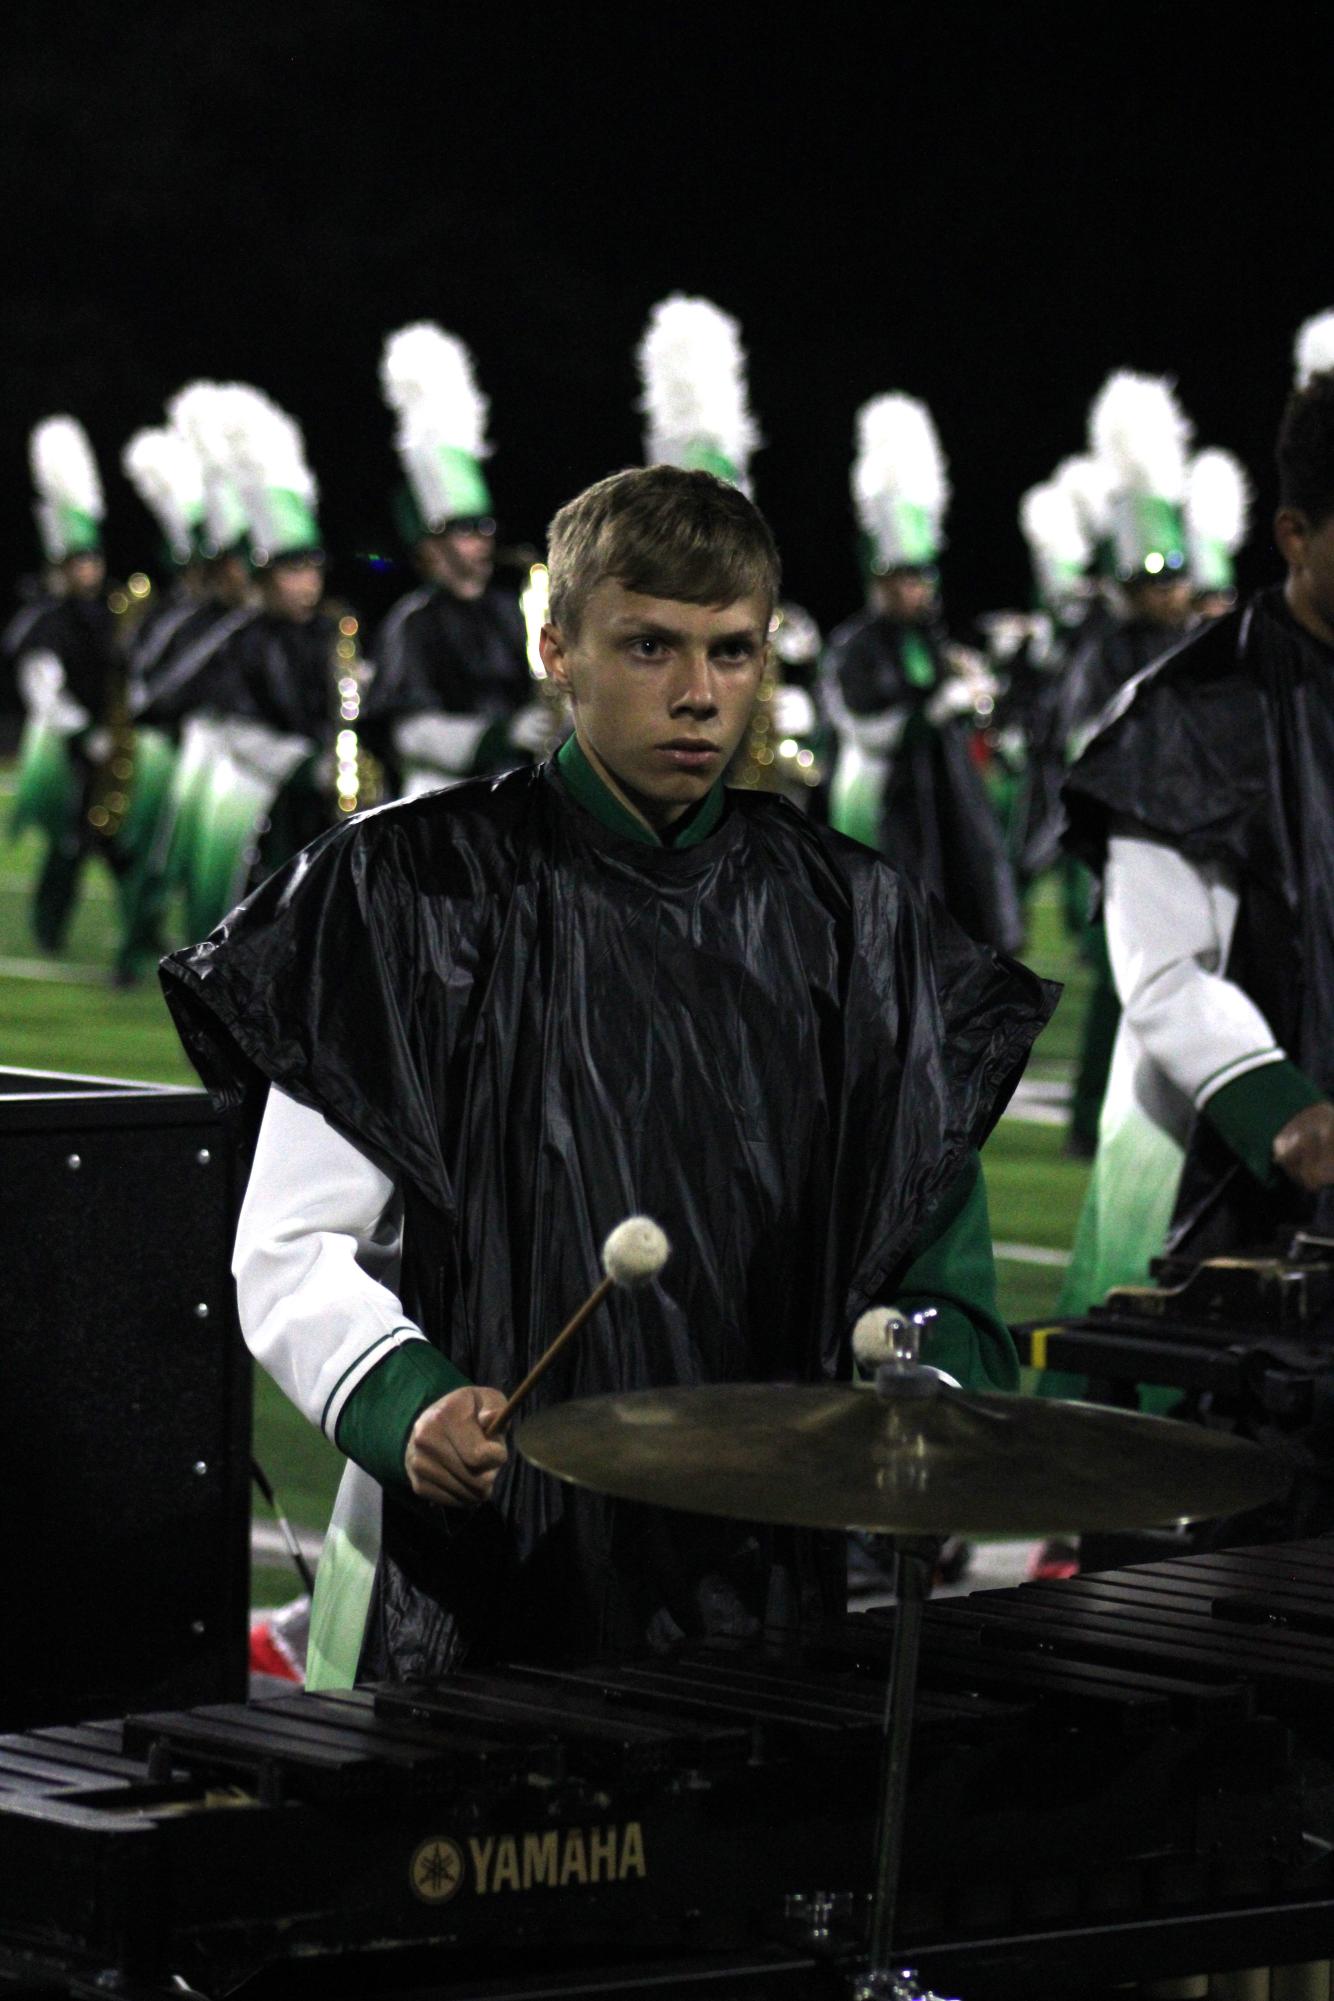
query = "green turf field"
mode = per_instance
[{"x": 66, "y": 1016}]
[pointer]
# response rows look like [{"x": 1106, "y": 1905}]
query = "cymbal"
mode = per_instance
[{"x": 956, "y": 1461}]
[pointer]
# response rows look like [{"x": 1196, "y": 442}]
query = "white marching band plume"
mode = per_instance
[
  {"x": 1087, "y": 483},
  {"x": 1141, "y": 433},
  {"x": 693, "y": 370},
  {"x": 63, "y": 466},
  {"x": 1218, "y": 498},
  {"x": 266, "y": 444},
  {"x": 899, "y": 464},
  {"x": 1053, "y": 525},
  {"x": 68, "y": 484},
  {"x": 165, "y": 471},
  {"x": 1313, "y": 350},
  {"x": 268, "y": 464},
  {"x": 199, "y": 413},
  {"x": 428, "y": 382},
  {"x": 1059, "y": 543}
]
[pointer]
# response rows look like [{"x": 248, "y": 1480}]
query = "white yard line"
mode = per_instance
[
  {"x": 1032, "y": 1254},
  {"x": 1031, "y": 1113},
  {"x": 1040, "y": 1101},
  {"x": 53, "y": 970}
]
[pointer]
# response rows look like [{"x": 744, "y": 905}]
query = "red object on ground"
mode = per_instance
[
  {"x": 1052, "y": 1561},
  {"x": 268, "y": 1655}
]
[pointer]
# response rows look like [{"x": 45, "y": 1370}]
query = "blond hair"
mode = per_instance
[{"x": 663, "y": 532}]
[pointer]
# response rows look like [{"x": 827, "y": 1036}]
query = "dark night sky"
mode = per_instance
[{"x": 987, "y": 205}]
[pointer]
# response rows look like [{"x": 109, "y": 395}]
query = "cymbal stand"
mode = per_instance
[{"x": 903, "y": 1375}]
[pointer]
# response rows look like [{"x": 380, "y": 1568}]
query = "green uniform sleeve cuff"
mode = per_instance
[
  {"x": 375, "y": 1422},
  {"x": 953, "y": 1268},
  {"x": 1251, "y": 1111}
]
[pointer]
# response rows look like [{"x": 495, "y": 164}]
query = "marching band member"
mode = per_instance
[
  {"x": 903, "y": 699},
  {"x": 1206, "y": 803},
  {"x": 71, "y": 678},
  {"x": 165, "y": 471},
  {"x": 475, "y": 1028},
  {"x": 452, "y": 685},
  {"x": 285, "y": 688},
  {"x": 1138, "y": 436},
  {"x": 173, "y": 669},
  {"x": 1028, "y": 653}
]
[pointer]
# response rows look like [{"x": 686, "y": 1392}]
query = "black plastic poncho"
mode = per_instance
[
  {"x": 1225, "y": 752},
  {"x": 937, "y": 822},
  {"x": 768, "y": 1041}
]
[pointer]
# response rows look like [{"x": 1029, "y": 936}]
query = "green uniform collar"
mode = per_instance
[{"x": 588, "y": 790}]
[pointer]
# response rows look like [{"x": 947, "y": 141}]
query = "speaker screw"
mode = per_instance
[
  {"x": 203, "y": 1156},
  {"x": 201, "y": 1467},
  {"x": 74, "y": 1163},
  {"x": 197, "y": 1628},
  {"x": 201, "y": 1311}
]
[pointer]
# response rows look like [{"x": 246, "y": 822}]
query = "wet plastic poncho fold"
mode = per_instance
[{"x": 767, "y": 1041}]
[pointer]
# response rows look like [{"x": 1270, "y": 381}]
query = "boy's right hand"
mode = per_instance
[
  {"x": 1305, "y": 1147},
  {"x": 449, "y": 1457}
]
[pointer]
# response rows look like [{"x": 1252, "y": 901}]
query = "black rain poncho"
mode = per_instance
[{"x": 536, "y": 1027}]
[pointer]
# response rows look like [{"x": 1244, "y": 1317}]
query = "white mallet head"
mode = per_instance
[
  {"x": 635, "y": 1251},
  {"x": 873, "y": 1339}
]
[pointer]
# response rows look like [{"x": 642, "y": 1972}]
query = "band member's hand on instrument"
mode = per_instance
[
  {"x": 449, "y": 1457},
  {"x": 1304, "y": 1149},
  {"x": 635, "y": 1252}
]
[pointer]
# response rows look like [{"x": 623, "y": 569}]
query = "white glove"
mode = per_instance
[
  {"x": 793, "y": 711},
  {"x": 954, "y": 697},
  {"x": 532, "y": 728},
  {"x": 41, "y": 680}
]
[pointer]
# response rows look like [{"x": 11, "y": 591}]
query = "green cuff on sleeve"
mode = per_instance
[
  {"x": 376, "y": 1420},
  {"x": 953, "y": 1268},
  {"x": 1251, "y": 1111}
]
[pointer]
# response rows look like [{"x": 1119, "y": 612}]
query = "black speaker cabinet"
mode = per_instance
[{"x": 124, "y": 1402}]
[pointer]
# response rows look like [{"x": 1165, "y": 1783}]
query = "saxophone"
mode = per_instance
[
  {"x": 111, "y": 785},
  {"x": 358, "y": 774},
  {"x": 772, "y": 758}
]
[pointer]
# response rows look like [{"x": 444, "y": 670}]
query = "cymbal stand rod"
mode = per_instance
[{"x": 912, "y": 1581}]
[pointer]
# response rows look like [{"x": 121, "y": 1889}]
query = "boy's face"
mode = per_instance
[
  {"x": 909, "y": 596},
  {"x": 661, "y": 690},
  {"x": 294, "y": 590},
  {"x": 462, "y": 558},
  {"x": 85, "y": 574},
  {"x": 1164, "y": 601}
]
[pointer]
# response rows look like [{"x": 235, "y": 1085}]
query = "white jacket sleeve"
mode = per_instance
[
  {"x": 316, "y": 1215},
  {"x": 41, "y": 682},
  {"x": 1169, "y": 929}
]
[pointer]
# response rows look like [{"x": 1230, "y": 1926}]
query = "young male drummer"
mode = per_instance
[{"x": 482, "y": 1027}]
